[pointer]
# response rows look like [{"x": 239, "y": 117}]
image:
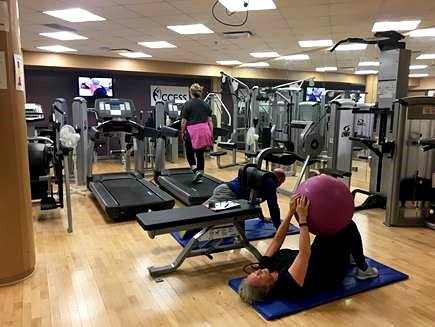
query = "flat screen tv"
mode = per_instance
[
  {"x": 314, "y": 93},
  {"x": 100, "y": 87}
]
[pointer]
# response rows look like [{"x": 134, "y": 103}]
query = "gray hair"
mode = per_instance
[{"x": 250, "y": 293}]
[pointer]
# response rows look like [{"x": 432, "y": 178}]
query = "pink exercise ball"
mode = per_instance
[{"x": 331, "y": 204}]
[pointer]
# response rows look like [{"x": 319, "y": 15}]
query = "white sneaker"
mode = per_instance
[
  {"x": 370, "y": 272},
  {"x": 197, "y": 178}
]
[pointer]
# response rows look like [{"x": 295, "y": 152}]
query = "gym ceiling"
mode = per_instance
[{"x": 128, "y": 22}]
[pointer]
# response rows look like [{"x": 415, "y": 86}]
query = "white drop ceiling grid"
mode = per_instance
[{"x": 132, "y": 21}]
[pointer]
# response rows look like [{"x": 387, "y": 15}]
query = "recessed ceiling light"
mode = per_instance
[
  {"x": 423, "y": 32},
  {"x": 426, "y": 56},
  {"x": 402, "y": 25},
  {"x": 368, "y": 63},
  {"x": 191, "y": 29},
  {"x": 294, "y": 57},
  {"x": 157, "y": 45},
  {"x": 418, "y": 66},
  {"x": 326, "y": 69},
  {"x": 135, "y": 54},
  {"x": 255, "y": 64},
  {"x": 315, "y": 43},
  {"x": 264, "y": 54},
  {"x": 75, "y": 15},
  {"x": 228, "y": 62},
  {"x": 238, "y": 5},
  {"x": 418, "y": 75},
  {"x": 351, "y": 47},
  {"x": 57, "y": 48},
  {"x": 64, "y": 36},
  {"x": 366, "y": 72}
]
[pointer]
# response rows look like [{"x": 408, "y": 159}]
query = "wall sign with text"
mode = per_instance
[{"x": 169, "y": 93}]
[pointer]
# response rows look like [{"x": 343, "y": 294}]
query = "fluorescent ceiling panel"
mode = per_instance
[
  {"x": 418, "y": 75},
  {"x": 366, "y": 72},
  {"x": 190, "y": 29},
  {"x": 423, "y": 32},
  {"x": 326, "y": 69},
  {"x": 418, "y": 67},
  {"x": 75, "y": 15},
  {"x": 238, "y": 5},
  {"x": 368, "y": 63},
  {"x": 402, "y": 25},
  {"x": 295, "y": 57},
  {"x": 426, "y": 56},
  {"x": 57, "y": 48},
  {"x": 351, "y": 47},
  {"x": 264, "y": 54},
  {"x": 157, "y": 44},
  {"x": 256, "y": 64},
  {"x": 135, "y": 54},
  {"x": 229, "y": 62},
  {"x": 64, "y": 36},
  {"x": 315, "y": 43}
]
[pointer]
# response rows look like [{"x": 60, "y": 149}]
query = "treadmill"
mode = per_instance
[
  {"x": 123, "y": 195},
  {"x": 178, "y": 181}
]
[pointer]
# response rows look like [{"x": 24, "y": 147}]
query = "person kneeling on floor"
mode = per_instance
[
  {"x": 233, "y": 190},
  {"x": 286, "y": 273}
]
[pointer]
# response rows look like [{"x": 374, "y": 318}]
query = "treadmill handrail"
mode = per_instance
[{"x": 128, "y": 126}]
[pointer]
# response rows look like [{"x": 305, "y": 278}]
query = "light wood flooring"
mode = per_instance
[{"x": 97, "y": 276}]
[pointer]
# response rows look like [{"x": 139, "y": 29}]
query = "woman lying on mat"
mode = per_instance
[{"x": 286, "y": 273}]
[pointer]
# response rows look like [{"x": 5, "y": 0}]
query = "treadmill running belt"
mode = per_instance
[
  {"x": 130, "y": 192},
  {"x": 181, "y": 187}
]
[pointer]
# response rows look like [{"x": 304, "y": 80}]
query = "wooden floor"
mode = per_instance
[{"x": 97, "y": 276}]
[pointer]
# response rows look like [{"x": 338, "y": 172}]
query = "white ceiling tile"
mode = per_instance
[
  {"x": 154, "y": 9},
  {"x": 88, "y": 4},
  {"x": 116, "y": 12}
]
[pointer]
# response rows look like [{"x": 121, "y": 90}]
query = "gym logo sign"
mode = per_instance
[
  {"x": 168, "y": 93},
  {"x": 346, "y": 131}
]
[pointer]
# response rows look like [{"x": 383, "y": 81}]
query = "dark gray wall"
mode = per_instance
[{"x": 44, "y": 85}]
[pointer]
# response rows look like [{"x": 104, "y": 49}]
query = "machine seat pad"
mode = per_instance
[
  {"x": 227, "y": 145},
  {"x": 218, "y": 153},
  {"x": 335, "y": 172},
  {"x": 283, "y": 158},
  {"x": 251, "y": 154}
]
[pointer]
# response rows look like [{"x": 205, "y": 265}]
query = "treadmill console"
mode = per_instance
[
  {"x": 34, "y": 112},
  {"x": 172, "y": 110},
  {"x": 108, "y": 109}
]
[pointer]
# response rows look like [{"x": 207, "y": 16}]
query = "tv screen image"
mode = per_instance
[
  {"x": 314, "y": 93},
  {"x": 99, "y": 87}
]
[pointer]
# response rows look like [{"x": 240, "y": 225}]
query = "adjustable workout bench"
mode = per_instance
[{"x": 215, "y": 225}]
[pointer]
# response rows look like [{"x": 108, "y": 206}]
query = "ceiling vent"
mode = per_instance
[
  {"x": 238, "y": 35},
  {"x": 60, "y": 27}
]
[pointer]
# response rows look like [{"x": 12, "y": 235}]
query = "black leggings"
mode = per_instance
[
  {"x": 190, "y": 153},
  {"x": 329, "y": 261}
]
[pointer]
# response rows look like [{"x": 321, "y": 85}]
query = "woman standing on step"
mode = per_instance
[{"x": 196, "y": 130}]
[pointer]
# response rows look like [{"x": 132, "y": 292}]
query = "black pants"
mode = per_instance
[
  {"x": 329, "y": 261},
  {"x": 190, "y": 153}
]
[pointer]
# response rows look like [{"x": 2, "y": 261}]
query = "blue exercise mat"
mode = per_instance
[
  {"x": 255, "y": 229},
  {"x": 273, "y": 309}
]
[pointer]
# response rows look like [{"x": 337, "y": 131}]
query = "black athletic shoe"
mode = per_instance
[{"x": 197, "y": 178}]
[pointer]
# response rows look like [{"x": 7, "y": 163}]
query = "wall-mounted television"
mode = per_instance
[
  {"x": 314, "y": 93},
  {"x": 99, "y": 87}
]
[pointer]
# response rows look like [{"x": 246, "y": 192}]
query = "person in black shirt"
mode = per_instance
[
  {"x": 234, "y": 190},
  {"x": 286, "y": 274},
  {"x": 196, "y": 130}
]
